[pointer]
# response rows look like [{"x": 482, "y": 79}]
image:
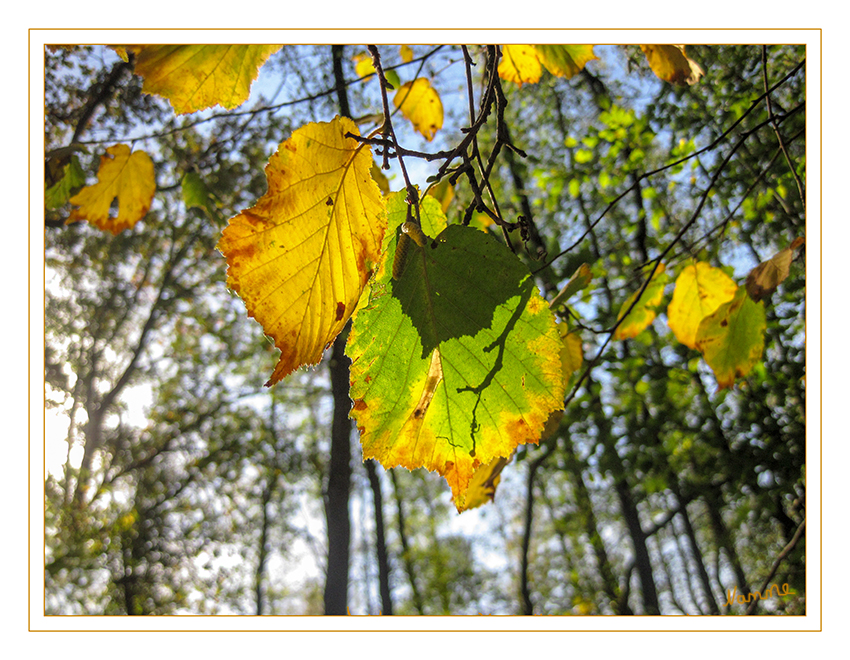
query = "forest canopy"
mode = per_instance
[{"x": 425, "y": 329}]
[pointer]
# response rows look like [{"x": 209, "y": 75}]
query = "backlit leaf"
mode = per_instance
[
  {"x": 764, "y": 278},
  {"x": 670, "y": 63},
  {"x": 195, "y": 192},
  {"x": 406, "y": 53},
  {"x": 644, "y": 311},
  {"x": 457, "y": 361},
  {"x": 482, "y": 486},
  {"x": 732, "y": 338},
  {"x": 197, "y": 77},
  {"x": 363, "y": 66},
  {"x": 572, "y": 355},
  {"x": 301, "y": 256},
  {"x": 700, "y": 289},
  {"x": 524, "y": 63},
  {"x": 420, "y": 103},
  {"x": 127, "y": 177},
  {"x": 520, "y": 64},
  {"x": 566, "y": 60}
]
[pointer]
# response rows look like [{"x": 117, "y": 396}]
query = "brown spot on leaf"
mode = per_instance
[
  {"x": 359, "y": 405},
  {"x": 340, "y": 310}
]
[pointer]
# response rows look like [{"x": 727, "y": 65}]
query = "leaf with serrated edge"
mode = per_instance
[
  {"x": 301, "y": 256},
  {"x": 457, "y": 361},
  {"x": 200, "y": 76}
]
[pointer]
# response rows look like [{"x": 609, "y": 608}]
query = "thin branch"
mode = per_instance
[{"x": 781, "y": 556}]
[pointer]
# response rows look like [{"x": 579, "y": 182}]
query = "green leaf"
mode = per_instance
[
  {"x": 195, "y": 192},
  {"x": 73, "y": 178},
  {"x": 732, "y": 338},
  {"x": 457, "y": 361}
]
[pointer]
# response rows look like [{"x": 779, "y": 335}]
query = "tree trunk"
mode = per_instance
[
  {"x": 339, "y": 484},
  {"x": 380, "y": 541}
]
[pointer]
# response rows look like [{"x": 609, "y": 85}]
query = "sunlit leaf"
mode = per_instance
[
  {"x": 700, "y": 289},
  {"x": 122, "y": 175},
  {"x": 301, "y": 256},
  {"x": 195, "y": 192},
  {"x": 565, "y": 61},
  {"x": 406, "y": 53},
  {"x": 572, "y": 354},
  {"x": 764, "y": 278},
  {"x": 524, "y": 63},
  {"x": 443, "y": 192},
  {"x": 197, "y": 77},
  {"x": 520, "y": 64},
  {"x": 457, "y": 361},
  {"x": 644, "y": 312},
  {"x": 732, "y": 338},
  {"x": 482, "y": 486},
  {"x": 363, "y": 65},
  {"x": 420, "y": 103},
  {"x": 670, "y": 63}
]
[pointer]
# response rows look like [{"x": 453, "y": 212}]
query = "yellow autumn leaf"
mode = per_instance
[
  {"x": 197, "y": 77},
  {"x": 644, "y": 311},
  {"x": 301, "y": 256},
  {"x": 520, "y": 64},
  {"x": 127, "y": 176},
  {"x": 572, "y": 356},
  {"x": 363, "y": 66},
  {"x": 700, "y": 290},
  {"x": 406, "y": 53},
  {"x": 421, "y": 105},
  {"x": 444, "y": 193},
  {"x": 671, "y": 64},
  {"x": 482, "y": 485}
]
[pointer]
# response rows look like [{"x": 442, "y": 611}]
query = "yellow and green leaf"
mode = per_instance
[
  {"x": 420, "y": 103},
  {"x": 122, "y": 175},
  {"x": 700, "y": 289},
  {"x": 524, "y": 63},
  {"x": 68, "y": 179},
  {"x": 732, "y": 338},
  {"x": 301, "y": 256},
  {"x": 197, "y": 77},
  {"x": 457, "y": 361},
  {"x": 644, "y": 311}
]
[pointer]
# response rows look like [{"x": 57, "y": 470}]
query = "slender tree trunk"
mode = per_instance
[
  {"x": 628, "y": 506},
  {"x": 380, "y": 541},
  {"x": 339, "y": 478},
  {"x": 525, "y": 590},
  {"x": 259, "y": 576},
  {"x": 609, "y": 582},
  {"x": 339, "y": 484},
  {"x": 406, "y": 556}
]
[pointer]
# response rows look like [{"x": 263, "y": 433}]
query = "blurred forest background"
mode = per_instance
[{"x": 176, "y": 483}]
